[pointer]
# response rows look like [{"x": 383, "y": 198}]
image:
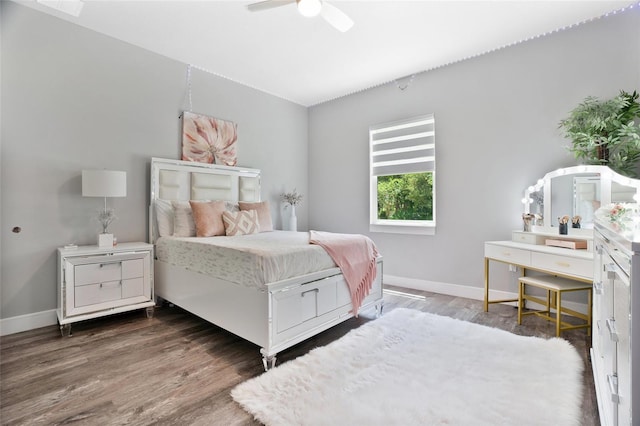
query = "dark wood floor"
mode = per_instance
[{"x": 177, "y": 369}]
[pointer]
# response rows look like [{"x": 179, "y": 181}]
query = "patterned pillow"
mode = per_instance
[
  {"x": 264, "y": 214},
  {"x": 240, "y": 223},
  {"x": 207, "y": 216}
]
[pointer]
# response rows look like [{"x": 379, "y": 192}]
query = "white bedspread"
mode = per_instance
[{"x": 250, "y": 260}]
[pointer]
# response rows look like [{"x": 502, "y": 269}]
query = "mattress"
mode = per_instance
[{"x": 249, "y": 260}]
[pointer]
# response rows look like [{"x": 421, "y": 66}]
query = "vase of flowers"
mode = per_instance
[{"x": 291, "y": 200}]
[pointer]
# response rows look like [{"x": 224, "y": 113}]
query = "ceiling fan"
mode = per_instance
[{"x": 310, "y": 8}]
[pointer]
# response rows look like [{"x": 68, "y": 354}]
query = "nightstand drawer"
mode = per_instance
[
  {"x": 95, "y": 273},
  {"x": 132, "y": 288},
  {"x": 98, "y": 293},
  {"x": 132, "y": 268}
]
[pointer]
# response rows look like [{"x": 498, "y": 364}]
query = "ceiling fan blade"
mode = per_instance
[
  {"x": 268, "y": 4},
  {"x": 336, "y": 17}
]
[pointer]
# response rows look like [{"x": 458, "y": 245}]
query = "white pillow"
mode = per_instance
[
  {"x": 183, "y": 223},
  {"x": 164, "y": 218}
]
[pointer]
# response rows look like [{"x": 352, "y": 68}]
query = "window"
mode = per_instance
[{"x": 402, "y": 164}]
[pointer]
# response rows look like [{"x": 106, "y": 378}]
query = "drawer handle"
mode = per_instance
[
  {"x": 610, "y": 269},
  {"x": 119, "y": 283},
  {"x": 611, "y": 326},
  {"x": 506, "y": 253},
  {"x": 612, "y": 380},
  {"x": 313, "y": 290},
  {"x": 110, "y": 263},
  {"x": 597, "y": 287},
  {"x": 563, "y": 264}
]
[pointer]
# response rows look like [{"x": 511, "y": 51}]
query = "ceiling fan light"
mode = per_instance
[{"x": 309, "y": 8}]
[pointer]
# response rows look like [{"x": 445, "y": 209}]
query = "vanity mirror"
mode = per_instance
[{"x": 578, "y": 191}]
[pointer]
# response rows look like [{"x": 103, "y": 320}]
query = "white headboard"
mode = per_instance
[{"x": 177, "y": 180}]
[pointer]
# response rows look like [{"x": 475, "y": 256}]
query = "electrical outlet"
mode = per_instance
[{"x": 513, "y": 268}]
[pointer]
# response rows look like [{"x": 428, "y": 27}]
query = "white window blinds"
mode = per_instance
[{"x": 406, "y": 146}]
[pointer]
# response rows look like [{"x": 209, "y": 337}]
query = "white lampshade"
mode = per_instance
[{"x": 104, "y": 183}]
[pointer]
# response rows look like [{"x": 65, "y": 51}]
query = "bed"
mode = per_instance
[{"x": 261, "y": 300}]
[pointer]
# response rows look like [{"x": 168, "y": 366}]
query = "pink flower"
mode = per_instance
[{"x": 208, "y": 140}]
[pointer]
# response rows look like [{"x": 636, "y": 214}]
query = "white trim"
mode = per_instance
[
  {"x": 27, "y": 322},
  {"x": 403, "y": 228},
  {"x": 470, "y": 292}
]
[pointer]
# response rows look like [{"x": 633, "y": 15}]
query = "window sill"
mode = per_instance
[{"x": 403, "y": 229}]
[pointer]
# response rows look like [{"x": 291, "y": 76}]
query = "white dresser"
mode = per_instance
[
  {"x": 616, "y": 325},
  {"x": 95, "y": 281}
]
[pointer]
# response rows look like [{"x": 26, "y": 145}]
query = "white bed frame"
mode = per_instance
[{"x": 288, "y": 312}]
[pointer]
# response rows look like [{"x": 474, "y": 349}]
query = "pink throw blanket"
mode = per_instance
[{"x": 356, "y": 256}]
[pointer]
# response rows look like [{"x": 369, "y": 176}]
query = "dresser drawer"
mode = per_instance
[
  {"x": 304, "y": 303},
  {"x": 507, "y": 254},
  {"x": 95, "y": 273},
  {"x": 93, "y": 294},
  {"x": 563, "y": 264}
]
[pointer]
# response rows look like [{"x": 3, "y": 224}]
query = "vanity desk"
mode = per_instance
[
  {"x": 529, "y": 251},
  {"x": 572, "y": 191}
]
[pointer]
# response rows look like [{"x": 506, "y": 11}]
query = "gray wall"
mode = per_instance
[
  {"x": 75, "y": 99},
  {"x": 496, "y": 133}
]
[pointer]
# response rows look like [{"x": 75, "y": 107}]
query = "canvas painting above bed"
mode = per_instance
[{"x": 208, "y": 140}]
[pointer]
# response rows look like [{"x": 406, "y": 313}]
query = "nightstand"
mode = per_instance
[{"x": 97, "y": 281}]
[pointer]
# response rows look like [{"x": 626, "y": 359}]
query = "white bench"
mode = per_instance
[{"x": 555, "y": 287}]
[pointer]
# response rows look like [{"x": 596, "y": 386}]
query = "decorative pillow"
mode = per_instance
[
  {"x": 183, "y": 224},
  {"x": 207, "y": 216},
  {"x": 240, "y": 223},
  {"x": 264, "y": 214},
  {"x": 164, "y": 218}
]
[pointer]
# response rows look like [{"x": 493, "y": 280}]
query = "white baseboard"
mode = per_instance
[
  {"x": 476, "y": 293},
  {"x": 27, "y": 322}
]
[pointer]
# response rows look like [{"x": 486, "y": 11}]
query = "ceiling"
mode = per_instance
[{"x": 307, "y": 61}]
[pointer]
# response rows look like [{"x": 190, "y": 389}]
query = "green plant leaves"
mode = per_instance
[{"x": 605, "y": 132}]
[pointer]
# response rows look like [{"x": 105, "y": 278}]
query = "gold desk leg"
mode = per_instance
[
  {"x": 558, "y": 312},
  {"x": 520, "y": 300}
]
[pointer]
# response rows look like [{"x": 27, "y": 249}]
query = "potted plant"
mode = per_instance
[{"x": 606, "y": 132}]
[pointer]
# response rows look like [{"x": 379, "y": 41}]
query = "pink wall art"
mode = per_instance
[{"x": 208, "y": 140}]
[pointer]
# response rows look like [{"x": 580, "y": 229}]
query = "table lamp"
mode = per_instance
[{"x": 104, "y": 183}]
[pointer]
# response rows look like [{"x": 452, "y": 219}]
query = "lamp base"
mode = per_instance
[{"x": 105, "y": 240}]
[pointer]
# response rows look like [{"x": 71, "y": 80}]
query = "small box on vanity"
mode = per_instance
[{"x": 567, "y": 243}]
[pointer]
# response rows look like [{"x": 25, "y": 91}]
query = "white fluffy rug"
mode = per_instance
[{"x": 414, "y": 368}]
